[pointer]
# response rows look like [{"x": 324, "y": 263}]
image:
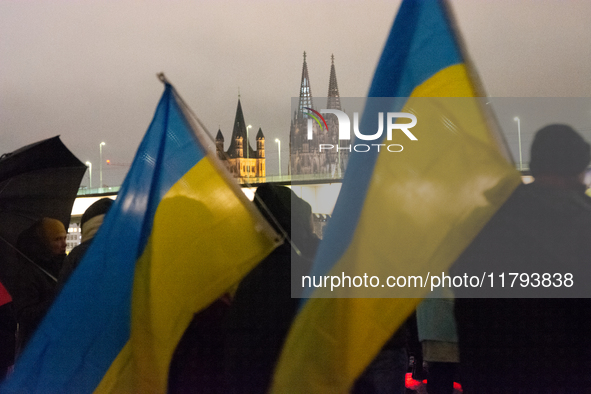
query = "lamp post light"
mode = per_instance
[
  {"x": 519, "y": 141},
  {"x": 101, "y": 164},
  {"x": 89, "y": 165},
  {"x": 279, "y": 153}
]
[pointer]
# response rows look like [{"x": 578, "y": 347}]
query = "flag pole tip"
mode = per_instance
[{"x": 162, "y": 78}]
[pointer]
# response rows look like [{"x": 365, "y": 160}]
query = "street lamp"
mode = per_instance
[
  {"x": 89, "y": 165},
  {"x": 101, "y": 164},
  {"x": 279, "y": 153},
  {"x": 519, "y": 139},
  {"x": 247, "y": 150}
]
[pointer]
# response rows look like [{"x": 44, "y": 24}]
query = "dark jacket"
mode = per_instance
[
  {"x": 71, "y": 262},
  {"x": 260, "y": 317},
  {"x": 7, "y": 332},
  {"x": 197, "y": 362},
  {"x": 34, "y": 294},
  {"x": 512, "y": 344},
  {"x": 35, "y": 285}
]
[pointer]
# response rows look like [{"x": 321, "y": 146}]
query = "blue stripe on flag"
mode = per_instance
[
  {"x": 89, "y": 322},
  {"x": 420, "y": 44}
]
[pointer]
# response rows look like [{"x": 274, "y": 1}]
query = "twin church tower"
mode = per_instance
[{"x": 304, "y": 158}]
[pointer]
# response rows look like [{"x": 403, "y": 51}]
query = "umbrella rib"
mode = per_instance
[
  {"x": 28, "y": 259},
  {"x": 7, "y": 183}
]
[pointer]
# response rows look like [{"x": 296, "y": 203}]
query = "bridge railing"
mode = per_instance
[
  {"x": 283, "y": 179},
  {"x": 84, "y": 191}
]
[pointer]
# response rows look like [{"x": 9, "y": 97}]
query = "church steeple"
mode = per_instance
[
  {"x": 260, "y": 144},
  {"x": 238, "y": 142},
  {"x": 241, "y": 159},
  {"x": 334, "y": 100},
  {"x": 219, "y": 144},
  {"x": 305, "y": 91},
  {"x": 306, "y": 155}
]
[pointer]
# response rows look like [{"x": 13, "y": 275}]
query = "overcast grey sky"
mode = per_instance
[{"x": 86, "y": 69}]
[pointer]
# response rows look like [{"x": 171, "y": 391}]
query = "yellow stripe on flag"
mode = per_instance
[
  {"x": 423, "y": 207},
  {"x": 190, "y": 261}
]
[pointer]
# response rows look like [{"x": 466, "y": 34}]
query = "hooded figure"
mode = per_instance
[
  {"x": 91, "y": 221},
  {"x": 263, "y": 308},
  {"x": 532, "y": 344},
  {"x": 42, "y": 249},
  {"x": 559, "y": 152}
]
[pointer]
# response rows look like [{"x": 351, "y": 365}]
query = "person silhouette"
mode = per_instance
[
  {"x": 42, "y": 249},
  {"x": 527, "y": 344}
]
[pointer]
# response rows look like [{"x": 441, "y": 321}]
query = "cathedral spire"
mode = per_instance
[
  {"x": 305, "y": 91},
  {"x": 334, "y": 100}
]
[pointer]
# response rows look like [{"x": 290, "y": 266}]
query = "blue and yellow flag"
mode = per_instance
[
  {"x": 180, "y": 233},
  {"x": 404, "y": 214}
]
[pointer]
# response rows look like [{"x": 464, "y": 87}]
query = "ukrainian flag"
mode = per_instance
[
  {"x": 178, "y": 236},
  {"x": 409, "y": 213}
]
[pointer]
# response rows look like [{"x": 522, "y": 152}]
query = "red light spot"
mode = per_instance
[
  {"x": 411, "y": 383},
  {"x": 415, "y": 385}
]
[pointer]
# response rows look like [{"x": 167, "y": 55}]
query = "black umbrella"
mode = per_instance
[{"x": 36, "y": 181}]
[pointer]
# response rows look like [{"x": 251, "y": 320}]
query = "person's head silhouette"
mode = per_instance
[{"x": 558, "y": 151}]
